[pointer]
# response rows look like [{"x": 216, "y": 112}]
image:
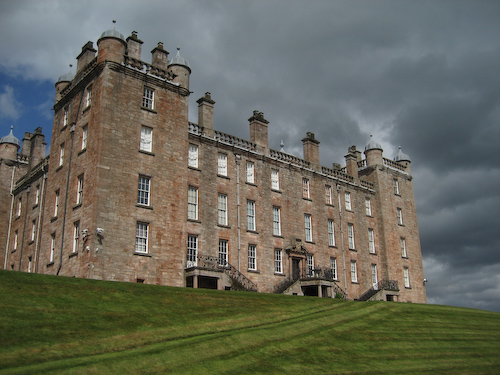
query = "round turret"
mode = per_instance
[
  {"x": 372, "y": 145},
  {"x": 401, "y": 156},
  {"x": 9, "y": 145},
  {"x": 62, "y": 82},
  {"x": 373, "y": 153},
  {"x": 111, "y": 46},
  {"x": 181, "y": 68}
]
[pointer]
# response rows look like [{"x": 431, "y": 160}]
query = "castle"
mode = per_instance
[{"x": 132, "y": 191}]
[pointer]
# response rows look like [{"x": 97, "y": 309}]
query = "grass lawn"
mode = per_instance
[{"x": 58, "y": 325}]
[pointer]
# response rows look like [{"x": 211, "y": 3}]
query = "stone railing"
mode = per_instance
[
  {"x": 316, "y": 273},
  {"x": 234, "y": 141},
  {"x": 195, "y": 128},
  {"x": 366, "y": 184},
  {"x": 393, "y": 164},
  {"x": 337, "y": 173},
  {"x": 211, "y": 263},
  {"x": 148, "y": 68},
  {"x": 391, "y": 285},
  {"x": 362, "y": 164},
  {"x": 287, "y": 158}
]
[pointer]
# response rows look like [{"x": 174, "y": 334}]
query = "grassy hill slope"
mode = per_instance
[{"x": 58, "y": 325}]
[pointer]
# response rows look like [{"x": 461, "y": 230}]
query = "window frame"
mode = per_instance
[
  {"x": 52, "y": 247},
  {"x": 368, "y": 206},
  {"x": 350, "y": 236},
  {"x": 57, "y": 194},
  {"x": 192, "y": 251},
  {"x": 331, "y": 232},
  {"x": 308, "y": 227},
  {"x": 399, "y": 213},
  {"x": 252, "y": 257},
  {"x": 310, "y": 264},
  {"x": 142, "y": 237},
  {"x": 251, "y": 222},
  {"x": 406, "y": 277},
  {"x": 61, "y": 154},
  {"x": 328, "y": 195},
  {"x": 85, "y": 136},
  {"x": 88, "y": 97},
  {"x": 148, "y": 98},
  {"x": 374, "y": 274},
  {"x": 354, "y": 271},
  {"x": 371, "y": 241},
  {"x": 276, "y": 221},
  {"x": 222, "y": 217},
  {"x": 222, "y": 167},
  {"x": 146, "y": 139},
  {"x": 275, "y": 179},
  {"x": 144, "y": 191},
  {"x": 193, "y": 203},
  {"x": 79, "y": 189},
  {"x": 404, "y": 250},
  {"x": 223, "y": 259},
  {"x": 76, "y": 236},
  {"x": 193, "y": 155},
  {"x": 333, "y": 268},
  {"x": 348, "y": 201},
  {"x": 306, "y": 188},
  {"x": 250, "y": 172},
  {"x": 278, "y": 261}
]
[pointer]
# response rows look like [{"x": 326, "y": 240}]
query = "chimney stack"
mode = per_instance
[
  {"x": 259, "y": 130},
  {"x": 311, "y": 149}
]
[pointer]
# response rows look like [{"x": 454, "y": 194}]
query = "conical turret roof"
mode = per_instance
[{"x": 10, "y": 138}]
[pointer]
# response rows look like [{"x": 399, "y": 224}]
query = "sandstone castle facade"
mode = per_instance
[{"x": 135, "y": 192}]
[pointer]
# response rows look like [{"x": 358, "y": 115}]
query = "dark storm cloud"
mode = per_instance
[{"x": 420, "y": 74}]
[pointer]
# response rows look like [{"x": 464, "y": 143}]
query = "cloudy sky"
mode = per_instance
[{"x": 420, "y": 74}]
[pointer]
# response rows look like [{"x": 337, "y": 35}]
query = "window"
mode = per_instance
[
  {"x": 250, "y": 215},
  {"x": 19, "y": 206},
  {"x": 278, "y": 261},
  {"x": 403, "y": 247},
  {"x": 250, "y": 172},
  {"x": 333, "y": 267},
  {"x": 193, "y": 203},
  {"x": 89, "y": 96},
  {"x": 143, "y": 190},
  {"x": 192, "y": 251},
  {"x": 328, "y": 194},
  {"x": 222, "y": 209},
  {"x": 30, "y": 264},
  {"x": 76, "y": 236},
  {"x": 56, "y": 203},
  {"x": 368, "y": 206},
  {"x": 275, "y": 179},
  {"x": 16, "y": 239},
  {"x": 193, "y": 156},
  {"x": 350, "y": 235},
  {"x": 371, "y": 241},
  {"x": 52, "y": 247},
  {"x": 252, "y": 257},
  {"x": 374, "y": 274},
  {"x": 400, "y": 216},
  {"x": 406, "y": 275},
  {"x": 348, "y": 206},
  {"x": 37, "y": 195},
  {"x": 61, "y": 154},
  {"x": 223, "y": 253},
  {"x": 33, "y": 230},
  {"x": 146, "y": 143},
  {"x": 305, "y": 188},
  {"x": 331, "y": 233},
  {"x": 148, "y": 98},
  {"x": 396, "y": 186},
  {"x": 79, "y": 190},
  {"x": 85, "y": 135},
  {"x": 141, "y": 238},
  {"x": 308, "y": 227},
  {"x": 354, "y": 272},
  {"x": 276, "y": 221},
  {"x": 222, "y": 164},
  {"x": 65, "y": 116},
  {"x": 310, "y": 264}
]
